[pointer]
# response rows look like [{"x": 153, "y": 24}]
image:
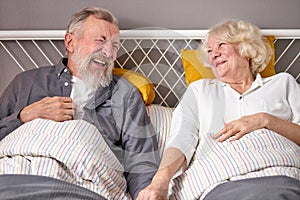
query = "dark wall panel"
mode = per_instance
[{"x": 170, "y": 14}]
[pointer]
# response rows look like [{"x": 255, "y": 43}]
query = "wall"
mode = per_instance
[
  {"x": 170, "y": 14},
  {"x": 132, "y": 14}
]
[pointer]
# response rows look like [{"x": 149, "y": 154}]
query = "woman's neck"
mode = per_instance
[{"x": 241, "y": 85}]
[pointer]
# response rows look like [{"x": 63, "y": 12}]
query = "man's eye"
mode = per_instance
[
  {"x": 116, "y": 46},
  {"x": 100, "y": 40}
]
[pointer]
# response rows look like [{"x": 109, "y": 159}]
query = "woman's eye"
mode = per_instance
[{"x": 223, "y": 44}]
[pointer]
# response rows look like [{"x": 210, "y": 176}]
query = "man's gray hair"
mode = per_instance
[{"x": 99, "y": 13}]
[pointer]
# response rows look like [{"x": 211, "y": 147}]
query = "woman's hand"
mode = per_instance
[
  {"x": 154, "y": 192},
  {"x": 172, "y": 160},
  {"x": 158, "y": 189},
  {"x": 238, "y": 128}
]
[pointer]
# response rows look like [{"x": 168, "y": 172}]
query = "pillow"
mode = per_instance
[
  {"x": 161, "y": 117},
  {"x": 270, "y": 68},
  {"x": 193, "y": 67},
  {"x": 144, "y": 84},
  {"x": 195, "y": 70}
]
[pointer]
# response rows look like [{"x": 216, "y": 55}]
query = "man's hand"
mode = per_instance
[{"x": 54, "y": 108}]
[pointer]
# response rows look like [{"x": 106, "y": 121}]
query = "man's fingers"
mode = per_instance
[{"x": 53, "y": 108}]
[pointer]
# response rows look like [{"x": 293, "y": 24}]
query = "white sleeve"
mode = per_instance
[
  {"x": 185, "y": 125},
  {"x": 293, "y": 95}
]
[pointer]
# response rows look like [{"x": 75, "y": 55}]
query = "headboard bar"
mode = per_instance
[
  {"x": 138, "y": 34},
  {"x": 32, "y": 35}
]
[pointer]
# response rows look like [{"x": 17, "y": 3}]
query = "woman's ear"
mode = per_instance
[{"x": 69, "y": 42}]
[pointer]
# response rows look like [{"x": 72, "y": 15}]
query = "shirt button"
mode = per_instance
[
  {"x": 66, "y": 84},
  {"x": 66, "y": 70}
]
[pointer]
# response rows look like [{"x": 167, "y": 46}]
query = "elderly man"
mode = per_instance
[{"x": 82, "y": 87}]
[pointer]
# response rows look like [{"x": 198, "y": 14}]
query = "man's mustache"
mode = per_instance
[{"x": 99, "y": 58}]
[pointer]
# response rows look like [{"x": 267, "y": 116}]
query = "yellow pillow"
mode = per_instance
[
  {"x": 193, "y": 67},
  {"x": 270, "y": 68},
  {"x": 195, "y": 70},
  {"x": 144, "y": 84}
]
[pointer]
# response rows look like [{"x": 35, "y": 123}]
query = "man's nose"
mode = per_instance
[{"x": 107, "y": 49}]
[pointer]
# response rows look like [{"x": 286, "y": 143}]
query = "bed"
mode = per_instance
[{"x": 161, "y": 57}]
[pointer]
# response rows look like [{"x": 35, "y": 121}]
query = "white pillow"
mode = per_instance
[{"x": 161, "y": 117}]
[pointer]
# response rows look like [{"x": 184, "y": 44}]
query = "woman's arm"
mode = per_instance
[
  {"x": 288, "y": 89},
  {"x": 173, "y": 159},
  {"x": 287, "y": 129},
  {"x": 244, "y": 125}
]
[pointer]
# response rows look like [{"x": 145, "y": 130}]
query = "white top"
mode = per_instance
[
  {"x": 208, "y": 103},
  {"x": 80, "y": 95}
]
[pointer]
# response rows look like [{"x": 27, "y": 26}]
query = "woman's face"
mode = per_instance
[{"x": 226, "y": 61}]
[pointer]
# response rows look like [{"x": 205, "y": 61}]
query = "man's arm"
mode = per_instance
[
  {"x": 21, "y": 103},
  {"x": 140, "y": 144},
  {"x": 9, "y": 112}
]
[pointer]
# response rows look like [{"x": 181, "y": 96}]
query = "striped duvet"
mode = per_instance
[
  {"x": 102, "y": 173},
  {"x": 259, "y": 153},
  {"x": 73, "y": 151}
]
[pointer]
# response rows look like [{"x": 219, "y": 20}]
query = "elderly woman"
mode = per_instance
[{"x": 248, "y": 122}]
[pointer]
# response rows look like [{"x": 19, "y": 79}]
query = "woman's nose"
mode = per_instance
[{"x": 214, "y": 54}]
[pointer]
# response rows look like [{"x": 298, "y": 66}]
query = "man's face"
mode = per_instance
[{"x": 95, "y": 52}]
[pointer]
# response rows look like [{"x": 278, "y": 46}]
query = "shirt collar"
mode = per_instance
[
  {"x": 62, "y": 67},
  {"x": 259, "y": 81}
]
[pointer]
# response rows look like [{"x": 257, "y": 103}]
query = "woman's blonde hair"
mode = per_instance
[{"x": 252, "y": 44}]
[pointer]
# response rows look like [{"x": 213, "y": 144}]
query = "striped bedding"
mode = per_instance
[
  {"x": 209, "y": 167},
  {"x": 161, "y": 117},
  {"x": 102, "y": 173},
  {"x": 261, "y": 149},
  {"x": 73, "y": 151}
]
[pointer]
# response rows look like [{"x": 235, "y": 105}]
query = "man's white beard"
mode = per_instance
[{"x": 93, "y": 79}]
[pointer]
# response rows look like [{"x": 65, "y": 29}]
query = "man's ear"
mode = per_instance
[{"x": 69, "y": 42}]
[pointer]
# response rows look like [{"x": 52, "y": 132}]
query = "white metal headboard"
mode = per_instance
[{"x": 154, "y": 53}]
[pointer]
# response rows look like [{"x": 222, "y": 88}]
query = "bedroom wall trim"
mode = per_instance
[{"x": 138, "y": 34}]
